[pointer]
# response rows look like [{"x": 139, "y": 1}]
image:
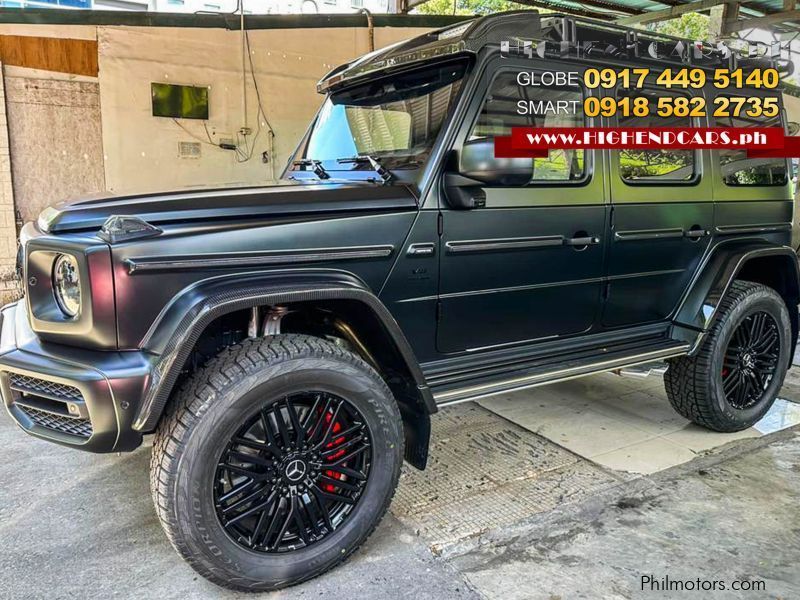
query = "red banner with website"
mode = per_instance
[{"x": 528, "y": 142}]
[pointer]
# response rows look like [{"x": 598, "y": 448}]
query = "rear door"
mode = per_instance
[
  {"x": 662, "y": 216},
  {"x": 520, "y": 269}
]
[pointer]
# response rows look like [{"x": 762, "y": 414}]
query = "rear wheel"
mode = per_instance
[
  {"x": 735, "y": 377},
  {"x": 276, "y": 462}
]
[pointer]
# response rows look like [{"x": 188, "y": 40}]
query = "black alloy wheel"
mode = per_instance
[
  {"x": 751, "y": 360},
  {"x": 293, "y": 472},
  {"x": 733, "y": 377},
  {"x": 276, "y": 461}
]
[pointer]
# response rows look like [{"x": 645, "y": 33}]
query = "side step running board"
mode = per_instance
[
  {"x": 643, "y": 371},
  {"x": 535, "y": 377}
]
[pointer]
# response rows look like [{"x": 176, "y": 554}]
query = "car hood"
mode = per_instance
[{"x": 283, "y": 198}]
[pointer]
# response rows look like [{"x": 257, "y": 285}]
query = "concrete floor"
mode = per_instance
[
  {"x": 502, "y": 513},
  {"x": 727, "y": 520},
  {"x": 626, "y": 424}
]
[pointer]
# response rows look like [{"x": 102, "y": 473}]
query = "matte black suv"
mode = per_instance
[{"x": 287, "y": 344}]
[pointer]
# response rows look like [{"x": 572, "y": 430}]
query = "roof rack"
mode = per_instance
[
  {"x": 574, "y": 38},
  {"x": 565, "y": 37}
]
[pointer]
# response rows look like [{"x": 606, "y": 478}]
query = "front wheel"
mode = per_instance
[
  {"x": 735, "y": 376},
  {"x": 276, "y": 461}
]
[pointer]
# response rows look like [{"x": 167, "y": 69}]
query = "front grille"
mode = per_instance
[
  {"x": 73, "y": 426},
  {"x": 41, "y": 387}
]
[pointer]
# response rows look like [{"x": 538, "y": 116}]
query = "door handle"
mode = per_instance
[
  {"x": 695, "y": 233},
  {"x": 425, "y": 249},
  {"x": 584, "y": 241}
]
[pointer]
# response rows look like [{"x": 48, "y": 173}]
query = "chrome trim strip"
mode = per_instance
[
  {"x": 765, "y": 228},
  {"x": 463, "y": 246},
  {"x": 510, "y": 344},
  {"x": 521, "y": 288},
  {"x": 645, "y": 274},
  {"x": 529, "y": 381},
  {"x": 279, "y": 257},
  {"x": 648, "y": 234}
]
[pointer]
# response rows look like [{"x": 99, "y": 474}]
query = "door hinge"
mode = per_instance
[
  {"x": 611, "y": 219},
  {"x": 606, "y": 290},
  {"x": 438, "y": 310},
  {"x": 440, "y": 224}
]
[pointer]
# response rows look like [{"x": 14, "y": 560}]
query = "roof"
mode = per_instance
[
  {"x": 611, "y": 42},
  {"x": 55, "y": 16},
  {"x": 768, "y": 14}
]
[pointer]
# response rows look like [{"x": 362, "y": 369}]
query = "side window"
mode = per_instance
[
  {"x": 656, "y": 166},
  {"x": 737, "y": 169},
  {"x": 509, "y": 104}
]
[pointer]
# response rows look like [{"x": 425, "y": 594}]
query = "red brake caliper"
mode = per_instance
[{"x": 337, "y": 427}]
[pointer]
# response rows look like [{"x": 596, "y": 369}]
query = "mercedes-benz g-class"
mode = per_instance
[{"x": 287, "y": 344}]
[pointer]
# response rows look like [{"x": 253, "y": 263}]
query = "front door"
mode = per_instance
[{"x": 528, "y": 264}]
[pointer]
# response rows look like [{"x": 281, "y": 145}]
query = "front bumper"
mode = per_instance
[{"x": 72, "y": 396}]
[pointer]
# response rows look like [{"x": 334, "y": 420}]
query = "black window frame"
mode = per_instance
[
  {"x": 697, "y": 161},
  {"x": 588, "y": 165},
  {"x": 781, "y": 121}
]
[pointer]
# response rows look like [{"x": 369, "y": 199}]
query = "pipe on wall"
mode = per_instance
[{"x": 370, "y": 28}]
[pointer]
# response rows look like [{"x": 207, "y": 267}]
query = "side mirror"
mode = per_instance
[
  {"x": 475, "y": 167},
  {"x": 477, "y": 161}
]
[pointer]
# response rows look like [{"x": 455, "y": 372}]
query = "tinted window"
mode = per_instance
[
  {"x": 509, "y": 104},
  {"x": 654, "y": 166},
  {"x": 737, "y": 169}
]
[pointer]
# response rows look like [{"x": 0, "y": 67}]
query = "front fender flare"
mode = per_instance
[{"x": 180, "y": 325}]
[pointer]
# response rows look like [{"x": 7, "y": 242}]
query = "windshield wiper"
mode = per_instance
[
  {"x": 385, "y": 175},
  {"x": 316, "y": 165}
]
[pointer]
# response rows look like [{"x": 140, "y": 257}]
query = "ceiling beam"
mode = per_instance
[
  {"x": 763, "y": 22},
  {"x": 578, "y": 12},
  {"x": 611, "y": 7},
  {"x": 720, "y": 17},
  {"x": 672, "y": 12}
]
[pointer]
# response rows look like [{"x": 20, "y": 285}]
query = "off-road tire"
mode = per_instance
[
  {"x": 200, "y": 418},
  {"x": 694, "y": 383}
]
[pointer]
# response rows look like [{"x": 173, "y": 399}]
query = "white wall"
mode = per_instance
[
  {"x": 792, "y": 105},
  {"x": 8, "y": 230},
  {"x": 56, "y": 143},
  {"x": 141, "y": 151},
  {"x": 53, "y": 126}
]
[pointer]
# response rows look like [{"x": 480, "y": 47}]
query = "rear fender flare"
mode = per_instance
[{"x": 698, "y": 311}]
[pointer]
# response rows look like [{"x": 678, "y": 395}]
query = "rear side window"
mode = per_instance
[
  {"x": 737, "y": 169},
  {"x": 656, "y": 166},
  {"x": 509, "y": 104}
]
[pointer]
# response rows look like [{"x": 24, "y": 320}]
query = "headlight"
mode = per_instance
[{"x": 67, "y": 284}]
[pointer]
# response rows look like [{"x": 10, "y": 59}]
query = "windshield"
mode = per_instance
[{"x": 394, "y": 120}]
